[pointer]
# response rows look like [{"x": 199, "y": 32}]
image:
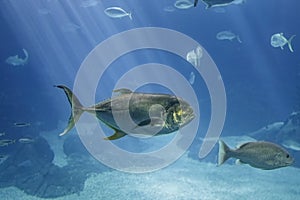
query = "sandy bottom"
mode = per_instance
[{"x": 186, "y": 179}]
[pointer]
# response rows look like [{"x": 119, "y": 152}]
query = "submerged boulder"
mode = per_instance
[{"x": 30, "y": 168}]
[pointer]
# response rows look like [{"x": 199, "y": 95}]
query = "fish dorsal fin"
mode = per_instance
[
  {"x": 243, "y": 145},
  {"x": 123, "y": 91},
  {"x": 118, "y": 134}
]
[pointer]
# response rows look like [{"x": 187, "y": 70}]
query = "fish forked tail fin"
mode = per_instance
[
  {"x": 224, "y": 152},
  {"x": 239, "y": 39},
  {"x": 130, "y": 15},
  {"x": 77, "y": 108},
  {"x": 290, "y": 43},
  {"x": 26, "y": 56}
]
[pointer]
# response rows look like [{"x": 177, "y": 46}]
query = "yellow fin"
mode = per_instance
[{"x": 115, "y": 136}]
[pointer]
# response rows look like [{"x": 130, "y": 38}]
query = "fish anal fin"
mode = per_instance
[
  {"x": 115, "y": 136},
  {"x": 123, "y": 91}
]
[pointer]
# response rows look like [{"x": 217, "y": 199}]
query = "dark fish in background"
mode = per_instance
[
  {"x": 21, "y": 124},
  {"x": 214, "y": 3},
  {"x": 26, "y": 140},
  {"x": 195, "y": 3},
  {"x": 6, "y": 142},
  {"x": 171, "y": 114},
  {"x": 263, "y": 155},
  {"x": 2, "y": 156}
]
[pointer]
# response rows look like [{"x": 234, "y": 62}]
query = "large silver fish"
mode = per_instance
[
  {"x": 169, "y": 113},
  {"x": 263, "y": 155}
]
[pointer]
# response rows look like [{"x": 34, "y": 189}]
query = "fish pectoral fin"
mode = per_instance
[
  {"x": 144, "y": 123},
  {"x": 123, "y": 91},
  {"x": 153, "y": 121},
  {"x": 157, "y": 121},
  {"x": 118, "y": 134}
]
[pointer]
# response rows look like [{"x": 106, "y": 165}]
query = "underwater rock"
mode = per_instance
[
  {"x": 30, "y": 168},
  {"x": 27, "y": 160},
  {"x": 73, "y": 144}
]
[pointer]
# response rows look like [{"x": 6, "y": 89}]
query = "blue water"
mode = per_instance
[{"x": 261, "y": 83}]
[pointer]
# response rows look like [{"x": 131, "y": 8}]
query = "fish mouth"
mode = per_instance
[
  {"x": 188, "y": 116},
  {"x": 291, "y": 162}
]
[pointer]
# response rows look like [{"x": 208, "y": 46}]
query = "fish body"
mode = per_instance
[
  {"x": 16, "y": 61},
  {"x": 6, "y": 142},
  {"x": 194, "y": 56},
  {"x": 228, "y": 35},
  {"x": 117, "y": 12},
  {"x": 26, "y": 140},
  {"x": 183, "y": 4},
  {"x": 237, "y": 2},
  {"x": 2, "y": 134},
  {"x": 214, "y": 3},
  {"x": 278, "y": 40},
  {"x": 149, "y": 113},
  {"x": 263, "y": 155},
  {"x": 21, "y": 124}
]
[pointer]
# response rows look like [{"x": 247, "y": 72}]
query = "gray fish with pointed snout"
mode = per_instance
[
  {"x": 149, "y": 113},
  {"x": 263, "y": 155}
]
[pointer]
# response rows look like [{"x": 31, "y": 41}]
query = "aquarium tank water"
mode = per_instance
[{"x": 146, "y": 100}]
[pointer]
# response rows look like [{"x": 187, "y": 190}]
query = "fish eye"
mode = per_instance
[{"x": 287, "y": 156}]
